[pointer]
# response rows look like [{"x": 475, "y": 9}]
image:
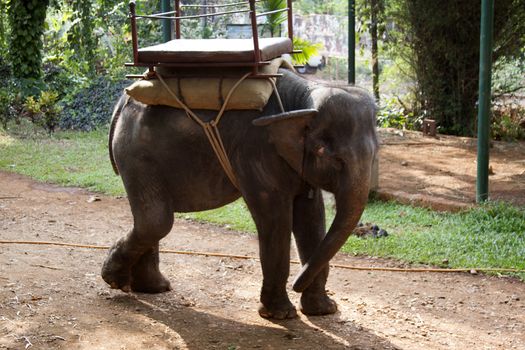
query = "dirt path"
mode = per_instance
[
  {"x": 54, "y": 298},
  {"x": 440, "y": 172}
]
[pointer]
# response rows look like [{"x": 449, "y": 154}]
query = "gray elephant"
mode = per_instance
[{"x": 281, "y": 161}]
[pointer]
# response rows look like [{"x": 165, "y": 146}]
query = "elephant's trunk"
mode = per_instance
[{"x": 350, "y": 206}]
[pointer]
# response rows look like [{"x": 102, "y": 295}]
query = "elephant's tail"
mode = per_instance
[{"x": 114, "y": 120}]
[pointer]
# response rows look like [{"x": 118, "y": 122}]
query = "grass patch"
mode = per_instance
[
  {"x": 234, "y": 215},
  {"x": 492, "y": 235},
  {"x": 66, "y": 158}
]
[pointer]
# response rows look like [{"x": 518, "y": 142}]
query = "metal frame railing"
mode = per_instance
[{"x": 251, "y": 11}]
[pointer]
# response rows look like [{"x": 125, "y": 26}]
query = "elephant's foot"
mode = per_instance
[
  {"x": 317, "y": 304},
  {"x": 116, "y": 270},
  {"x": 278, "y": 310},
  {"x": 146, "y": 276},
  {"x": 151, "y": 281}
]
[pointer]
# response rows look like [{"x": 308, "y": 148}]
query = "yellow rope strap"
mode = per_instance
[
  {"x": 247, "y": 257},
  {"x": 211, "y": 128},
  {"x": 272, "y": 81}
]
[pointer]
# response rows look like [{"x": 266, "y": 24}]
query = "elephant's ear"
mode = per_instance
[{"x": 287, "y": 132}]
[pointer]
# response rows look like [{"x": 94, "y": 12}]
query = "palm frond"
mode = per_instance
[{"x": 307, "y": 48}]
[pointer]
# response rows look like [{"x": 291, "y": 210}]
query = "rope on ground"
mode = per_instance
[{"x": 247, "y": 257}]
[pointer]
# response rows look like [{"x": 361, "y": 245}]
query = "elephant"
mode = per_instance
[{"x": 282, "y": 162}]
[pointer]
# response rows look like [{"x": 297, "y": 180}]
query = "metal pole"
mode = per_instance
[
  {"x": 485, "y": 72},
  {"x": 351, "y": 42},
  {"x": 177, "y": 21},
  {"x": 166, "y": 23}
]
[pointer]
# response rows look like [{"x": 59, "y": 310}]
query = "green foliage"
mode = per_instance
[
  {"x": 274, "y": 21},
  {"x": 509, "y": 74},
  {"x": 81, "y": 36},
  {"x": 58, "y": 79},
  {"x": 11, "y": 104},
  {"x": 90, "y": 106},
  {"x": 363, "y": 12},
  {"x": 505, "y": 122},
  {"x": 393, "y": 114},
  {"x": 4, "y": 30},
  {"x": 329, "y": 7},
  {"x": 273, "y": 26},
  {"x": 112, "y": 29},
  {"x": 307, "y": 48},
  {"x": 26, "y": 21},
  {"x": 12, "y": 95},
  {"x": 89, "y": 37},
  {"x": 43, "y": 111},
  {"x": 440, "y": 42}
]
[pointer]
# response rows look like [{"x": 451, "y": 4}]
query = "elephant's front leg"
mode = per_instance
[
  {"x": 146, "y": 276},
  {"x": 309, "y": 230},
  {"x": 273, "y": 218}
]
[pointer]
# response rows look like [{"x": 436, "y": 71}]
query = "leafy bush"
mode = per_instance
[
  {"x": 57, "y": 79},
  {"x": 91, "y": 106},
  {"x": 44, "y": 111},
  {"x": 11, "y": 104},
  {"x": 506, "y": 121},
  {"x": 393, "y": 114},
  {"x": 11, "y": 100},
  {"x": 508, "y": 75}
]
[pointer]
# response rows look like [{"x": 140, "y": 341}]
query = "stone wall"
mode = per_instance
[{"x": 330, "y": 30}]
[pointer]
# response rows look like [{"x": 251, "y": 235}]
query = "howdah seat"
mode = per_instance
[
  {"x": 210, "y": 63},
  {"x": 198, "y": 53}
]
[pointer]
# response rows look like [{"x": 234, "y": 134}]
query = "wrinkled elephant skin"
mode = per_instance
[{"x": 281, "y": 162}]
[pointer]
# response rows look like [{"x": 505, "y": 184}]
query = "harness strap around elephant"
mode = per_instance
[{"x": 211, "y": 129}]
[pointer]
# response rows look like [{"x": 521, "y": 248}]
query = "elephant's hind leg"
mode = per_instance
[{"x": 133, "y": 262}]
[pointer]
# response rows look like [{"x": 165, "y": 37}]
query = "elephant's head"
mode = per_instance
[{"x": 332, "y": 146}]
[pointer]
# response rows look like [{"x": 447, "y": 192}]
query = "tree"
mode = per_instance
[
  {"x": 371, "y": 16},
  {"x": 440, "y": 40},
  {"x": 3, "y": 27},
  {"x": 26, "y": 22},
  {"x": 374, "y": 12},
  {"x": 81, "y": 36}
]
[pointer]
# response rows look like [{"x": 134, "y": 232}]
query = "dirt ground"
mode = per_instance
[
  {"x": 440, "y": 172},
  {"x": 53, "y": 297}
]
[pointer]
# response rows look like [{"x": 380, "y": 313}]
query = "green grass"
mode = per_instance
[
  {"x": 492, "y": 235},
  {"x": 234, "y": 215},
  {"x": 488, "y": 236},
  {"x": 66, "y": 158}
]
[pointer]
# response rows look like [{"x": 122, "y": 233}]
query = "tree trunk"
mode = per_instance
[{"x": 375, "y": 63}]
